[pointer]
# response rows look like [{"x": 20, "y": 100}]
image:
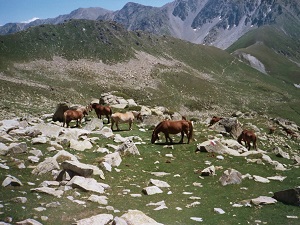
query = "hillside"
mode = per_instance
[{"x": 78, "y": 60}]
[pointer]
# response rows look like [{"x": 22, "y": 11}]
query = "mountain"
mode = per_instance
[
  {"x": 82, "y": 13},
  {"x": 77, "y": 60},
  {"x": 212, "y": 22}
]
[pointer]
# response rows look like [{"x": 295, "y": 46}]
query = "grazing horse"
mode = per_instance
[
  {"x": 248, "y": 136},
  {"x": 75, "y": 114},
  {"x": 127, "y": 117},
  {"x": 173, "y": 127},
  {"x": 214, "y": 120},
  {"x": 290, "y": 132},
  {"x": 102, "y": 110}
]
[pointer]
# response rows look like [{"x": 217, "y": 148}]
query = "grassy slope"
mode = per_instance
[
  {"x": 234, "y": 85},
  {"x": 134, "y": 175}
]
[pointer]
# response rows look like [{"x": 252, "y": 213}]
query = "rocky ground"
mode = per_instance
[{"x": 19, "y": 137}]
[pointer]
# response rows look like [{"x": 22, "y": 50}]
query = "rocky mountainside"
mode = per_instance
[
  {"x": 213, "y": 22},
  {"x": 82, "y": 13}
]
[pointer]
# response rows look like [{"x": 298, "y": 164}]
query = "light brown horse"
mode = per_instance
[
  {"x": 248, "y": 136},
  {"x": 127, "y": 117},
  {"x": 75, "y": 114},
  {"x": 173, "y": 127},
  {"x": 102, "y": 110}
]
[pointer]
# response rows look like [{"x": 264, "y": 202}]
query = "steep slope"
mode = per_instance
[{"x": 76, "y": 61}]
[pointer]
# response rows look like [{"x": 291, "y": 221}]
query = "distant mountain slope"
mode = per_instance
[
  {"x": 77, "y": 60},
  {"x": 212, "y": 22},
  {"x": 82, "y": 13}
]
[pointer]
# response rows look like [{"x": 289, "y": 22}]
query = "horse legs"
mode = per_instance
[
  {"x": 107, "y": 118},
  {"x": 130, "y": 123},
  {"x": 117, "y": 124},
  {"x": 181, "y": 140},
  {"x": 112, "y": 124}
]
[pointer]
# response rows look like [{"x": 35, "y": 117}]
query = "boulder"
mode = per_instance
[
  {"x": 289, "y": 196},
  {"x": 59, "y": 113},
  {"x": 87, "y": 184},
  {"x": 136, "y": 217},
  {"x": 80, "y": 145},
  {"x": 152, "y": 190},
  {"x": 46, "y": 166},
  {"x": 100, "y": 219},
  {"x": 78, "y": 168},
  {"x": 128, "y": 147},
  {"x": 17, "y": 148},
  {"x": 263, "y": 200},
  {"x": 11, "y": 181},
  {"x": 231, "y": 176}
]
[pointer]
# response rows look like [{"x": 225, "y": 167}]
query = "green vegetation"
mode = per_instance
[{"x": 134, "y": 174}]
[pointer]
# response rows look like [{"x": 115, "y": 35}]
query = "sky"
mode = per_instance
[{"x": 12, "y": 11}]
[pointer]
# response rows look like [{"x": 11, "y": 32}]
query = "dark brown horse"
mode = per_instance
[
  {"x": 75, "y": 114},
  {"x": 173, "y": 127},
  {"x": 248, "y": 136},
  {"x": 102, "y": 110},
  {"x": 214, "y": 120}
]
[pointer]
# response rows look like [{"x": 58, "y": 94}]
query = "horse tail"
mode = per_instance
[
  {"x": 65, "y": 118},
  {"x": 191, "y": 129}
]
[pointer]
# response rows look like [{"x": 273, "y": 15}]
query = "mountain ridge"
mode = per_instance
[{"x": 216, "y": 22}]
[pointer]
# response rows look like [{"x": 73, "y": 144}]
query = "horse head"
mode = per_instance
[{"x": 154, "y": 137}]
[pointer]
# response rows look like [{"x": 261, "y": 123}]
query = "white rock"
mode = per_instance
[
  {"x": 219, "y": 210},
  {"x": 100, "y": 219},
  {"x": 152, "y": 190}
]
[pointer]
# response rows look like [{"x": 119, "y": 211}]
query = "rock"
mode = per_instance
[
  {"x": 19, "y": 200},
  {"x": 80, "y": 145},
  {"x": 11, "y": 181},
  {"x": 65, "y": 156},
  {"x": 263, "y": 200},
  {"x": 3, "y": 149},
  {"x": 289, "y": 196},
  {"x": 152, "y": 190},
  {"x": 94, "y": 124},
  {"x": 78, "y": 168},
  {"x": 100, "y": 219},
  {"x": 231, "y": 176},
  {"x": 102, "y": 200},
  {"x": 119, "y": 221},
  {"x": 48, "y": 190},
  {"x": 113, "y": 159},
  {"x": 46, "y": 166},
  {"x": 219, "y": 210},
  {"x": 296, "y": 159},
  {"x": 280, "y": 153},
  {"x": 260, "y": 179},
  {"x": 87, "y": 184},
  {"x": 39, "y": 140},
  {"x": 136, "y": 217},
  {"x": 209, "y": 171},
  {"x": 29, "y": 222},
  {"x": 17, "y": 148},
  {"x": 159, "y": 183},
  {"x": 128, "y": 147}
]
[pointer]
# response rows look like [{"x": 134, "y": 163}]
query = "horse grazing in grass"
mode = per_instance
[
  {"x": 173, "y": 127},
  {"x": 127, "y": 117},
  {"x": 75, "y": 114},
  {"x": 214, "y": 120},
  {"x": 248, "y": 136},
  {"x": 102, "y": 110}
]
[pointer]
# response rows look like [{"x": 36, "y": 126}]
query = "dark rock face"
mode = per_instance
[{"x": 289, "y": 196}]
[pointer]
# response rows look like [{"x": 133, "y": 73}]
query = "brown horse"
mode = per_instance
[
  {"x": 75, "y": 114},
  {"x": 214, "y": 120},
  {"x": 102, "y": 110},
  {"x": 173, "y": 127},
  {"x": 127, "y": 117},
  {"x": 248, "y": 136}
]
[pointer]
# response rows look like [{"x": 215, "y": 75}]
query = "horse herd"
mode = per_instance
[{"x": 166, "y": 127}]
